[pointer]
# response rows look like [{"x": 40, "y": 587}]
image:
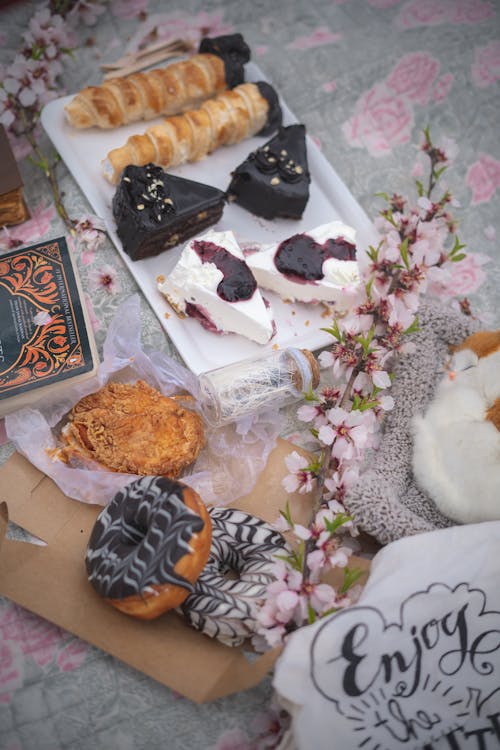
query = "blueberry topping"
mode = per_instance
[
  {"x": 239, "y": 282},
  {"x": 302, "y": 257}
]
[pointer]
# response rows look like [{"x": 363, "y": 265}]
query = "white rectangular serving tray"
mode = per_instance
[{"x": 298, "y": 325}]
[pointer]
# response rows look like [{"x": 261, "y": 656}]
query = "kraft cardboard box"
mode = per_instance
[{"x": 50, "y": 580}]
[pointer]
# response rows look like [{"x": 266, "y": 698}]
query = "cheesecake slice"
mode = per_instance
[
  {"x": 212, "y": 282},
  {"x": 315, "y": 266}
]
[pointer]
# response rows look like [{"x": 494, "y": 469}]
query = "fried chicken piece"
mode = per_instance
[{"x": 133, "y": 429}]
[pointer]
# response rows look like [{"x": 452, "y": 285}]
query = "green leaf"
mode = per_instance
[
  {"x": 339, "y": 520},
  {"x": 351, "y": 575},
  {"x": 420, "y": 188},
  {"x": 383, "y": 195},
  {"x": 403, "y": 249},
  {"x": 334, "y": 331},
  {"x": 311, "y": 614},
  {"x": 457, "y": 258},
  {"x": 439, "y": 172},
  {"x": 415, "y": 326},
  {"x": 287, "y": 515}
]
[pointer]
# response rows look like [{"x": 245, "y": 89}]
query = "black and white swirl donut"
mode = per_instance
[
  {"x": 146, "y": 540},
  {"x": 223, "y": 607}
]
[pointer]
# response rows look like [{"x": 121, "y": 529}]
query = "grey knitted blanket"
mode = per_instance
[{"x": 386, "y": 502}]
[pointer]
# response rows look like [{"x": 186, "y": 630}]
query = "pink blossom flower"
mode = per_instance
[
  {"x": 381, "y": 120},
  {"x": 30, "y": 230},
  {"x": 128, "y": 8},
  {"x": 346, "y": 433},
  {"x": 11, "y": 670},
  {"x": 486, "y": 67},
  {"x": 463, "y": 277},
  {"x": 321, "y": 35},
  {"x": 490, "y": 232},
  {"x": 300, "y": 479},
  {"x": 270, "y": 727},
  {"x": 413, "y": 76},
  {"x": 442, "y": 87},
  {"x": 417, "y": 13},
  {"x": 402, "y": 309},
  {"x": 89, "y": 237},
  {"x": 314, "y": 413},
  {"x": 233, "y": 739},
  {"x": 261, "y": 49},
  {"x": 483, "y": 178},
  {"x": 105, "y": 277},
  {"x": 87, "y": 12}
]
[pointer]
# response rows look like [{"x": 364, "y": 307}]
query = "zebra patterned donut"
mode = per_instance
[
  {"x": 148, "y": 546},
  {"x": 222, "y": 607}
]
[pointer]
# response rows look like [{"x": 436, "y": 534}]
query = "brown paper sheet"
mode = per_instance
[{"x": 51, "y": 581}]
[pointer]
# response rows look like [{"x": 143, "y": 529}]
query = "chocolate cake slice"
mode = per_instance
[
  {"x": 273, "y": 181},
  {"x": 155, "y": 211}
]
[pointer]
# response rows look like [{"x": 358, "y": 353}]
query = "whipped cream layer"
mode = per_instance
[
  {"x": 338, "y": 275},
  {"x": 193, "y": 282}
]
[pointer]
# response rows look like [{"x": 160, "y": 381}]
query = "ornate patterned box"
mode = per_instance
[{"x": 45, "y": 338}]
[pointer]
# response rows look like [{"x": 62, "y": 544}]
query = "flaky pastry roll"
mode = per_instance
[
  {"x": 230, "y": 117},
  {"x": 170, "y": 90}
]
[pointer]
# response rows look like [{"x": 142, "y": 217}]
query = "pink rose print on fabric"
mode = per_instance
[
  {"x": 128, "y": 8},
  {"x": 470, "y": 11},
  {"x": 11, "y": 670},
  {"x": 329, "y": 86},
  {"x": 72, "y": 655},
  {"x": 36, "y": 637},
  {"x": 413, "y": 76},
  {"x": 462, "y": 278},
  {"x": 483, "y": 178},
  {"x": 486, "y": 67},
  {"x": 322, "y": 35},
  {"x": 380, "y": 121},
  {"x": 442, "y": 87},
  {"x": 432, "y": 13},
  {"x": 29, "y": 231}
]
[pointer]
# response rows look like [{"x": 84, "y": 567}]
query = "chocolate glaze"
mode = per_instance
[
  {"x": 275, "y": 114},
  {"x": 273, "y": 181},
  {"x": 234, "y": 52},
  {"x": 242, "y": 544},
  {"x": 155, "y": 211},
  {"x": 139, "y": 537}
]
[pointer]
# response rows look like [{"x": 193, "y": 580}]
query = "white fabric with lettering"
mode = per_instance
[{"x": 416, "y": 663}]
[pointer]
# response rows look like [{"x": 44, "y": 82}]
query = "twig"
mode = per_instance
[{"x": 145, "y": 58}]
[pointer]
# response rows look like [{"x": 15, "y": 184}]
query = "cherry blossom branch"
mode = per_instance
[{"x": 412, "y": 258}]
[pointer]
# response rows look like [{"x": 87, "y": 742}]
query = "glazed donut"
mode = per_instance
[
  {"x": 222, "y": 607},
  {"x": 148, "y": 546}
]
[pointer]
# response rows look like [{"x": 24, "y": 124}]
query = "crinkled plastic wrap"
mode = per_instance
[{"x": 226, "y": 468}]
